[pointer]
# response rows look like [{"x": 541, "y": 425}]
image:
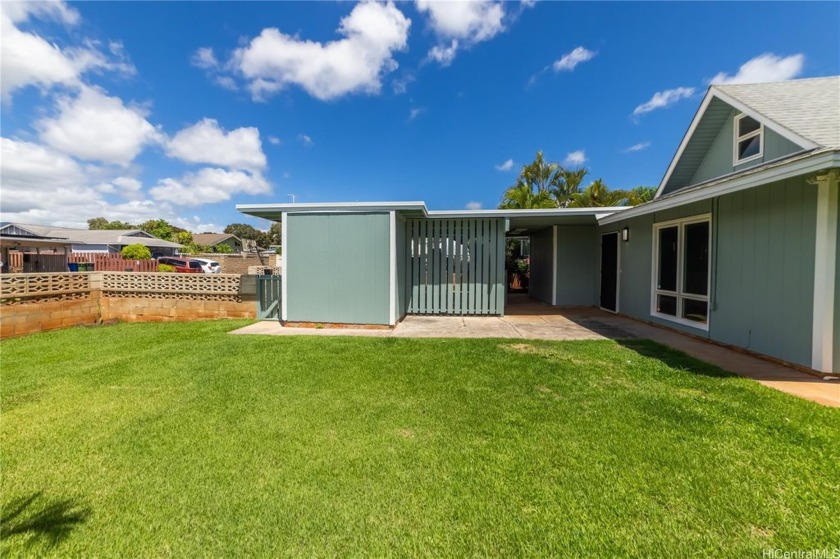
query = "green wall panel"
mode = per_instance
[
  {"x": 542, "y": 259},
  {"x": 837, "y": 294},
  {"x": 577, "y": 265},
  {"x": 338, "y": 268},
  {"x": 718, "y": 160},
  {"x": 403, "y": 262},
  {"x": 762, "y": 268},
  {"x": 764, "y": 278}
]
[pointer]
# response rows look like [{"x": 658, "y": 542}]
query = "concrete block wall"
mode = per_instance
[{"x": 21, "y": 319}]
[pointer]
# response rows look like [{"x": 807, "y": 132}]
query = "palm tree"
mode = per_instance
[
  {"x": 598, "y": 195},
  {"x": 535, "y": 186},
  {"x": 568, "y": 185}
]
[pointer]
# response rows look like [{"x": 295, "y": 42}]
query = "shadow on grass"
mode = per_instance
[
  {"x": 674, "y": 358},
  {"x": 42, "y": 520}
]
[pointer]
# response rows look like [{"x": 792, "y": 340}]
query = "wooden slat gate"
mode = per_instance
[
  {"x": 269, "y": 295},
  {"x": 455, "y": 266}
]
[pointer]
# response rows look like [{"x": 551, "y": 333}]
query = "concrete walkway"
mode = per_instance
[{"x": 528, "y": 319}]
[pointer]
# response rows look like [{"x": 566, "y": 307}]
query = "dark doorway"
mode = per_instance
[{"x": 609, "y": 272}]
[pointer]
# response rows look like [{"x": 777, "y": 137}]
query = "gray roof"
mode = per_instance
[
  {"x": 809, "y": 108},
  {"x": 212, "y": 238},
  {"x": 97, "y": 237}
]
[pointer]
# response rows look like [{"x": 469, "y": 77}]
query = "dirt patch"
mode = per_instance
[
  {"x": 552, "y": 354},
  {"x": 761, "y": 533},
  {"x": 406, "y": 433},
  {"x": 547, "y": 391}
]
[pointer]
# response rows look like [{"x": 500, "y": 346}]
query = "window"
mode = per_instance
[
  {"x": 749, "y": 139},
  {"x": 682, "y": 271}
]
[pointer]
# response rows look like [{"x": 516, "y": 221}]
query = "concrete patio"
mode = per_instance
[{"x": 530, "y": 319}]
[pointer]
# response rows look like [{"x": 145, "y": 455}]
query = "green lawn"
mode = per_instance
[{"x": 180, "y": 440}]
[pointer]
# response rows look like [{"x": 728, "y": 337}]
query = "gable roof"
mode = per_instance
[
  {"x": 211, "y": 239},
  {"x": 806, "y": 112},
  {"x": 96, "y": 236}
]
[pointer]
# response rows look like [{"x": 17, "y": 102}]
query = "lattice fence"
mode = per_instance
[
  {"x": 36, "y": 288},
  {"x": 194, "y": 287}
]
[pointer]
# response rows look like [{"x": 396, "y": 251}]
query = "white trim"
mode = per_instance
[
  {"x": 554, "y": 265},
  {"x": 679, "y": 294},
  {"x": 752, "y": 178},
  {"x": 284, "y": 270},
  {"x": 736, "y": 140},
  {"x": 392, "y": 299},
  {"x": 825, "y": 253},
  {"x": 729, "y": 100},
  {"x": 618, "y": 242}
]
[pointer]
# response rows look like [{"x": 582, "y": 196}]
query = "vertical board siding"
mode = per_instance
[
  {"x": 403, "y": 267},
  {"x": 457, "y": 266},
  {"x": 762, "y": 262},
  {"x": 578, "y": 254},
  {"x": 339, "y": 268}
]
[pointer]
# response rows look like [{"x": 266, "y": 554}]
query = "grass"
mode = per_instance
[{"x": 180, "y": 440}]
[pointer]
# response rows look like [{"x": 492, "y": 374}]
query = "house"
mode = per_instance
[
  {"x": 739, "y": 246},
  {"x": 234, "y": 243},
  {"x": 84, "y": 240}
]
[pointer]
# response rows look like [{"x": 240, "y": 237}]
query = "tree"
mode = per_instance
[
  {"x": 222, "y": 248},
  {"x": 568, "y": 185},
  {"x": 160, "y": 228},
  {"x": 274, "y": 235},
  {"x": 136, "y": 252},
  {"x": 534, "y": 186},
  {"x": 243, "y": 231},
  {"x": 100, "y": 223},
  {"x": 642, "y": 194}
]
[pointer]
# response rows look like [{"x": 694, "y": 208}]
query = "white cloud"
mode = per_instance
[
  {"x": 473, "y": 205},
  {"x": 400, "y": 85},
  {"x": 226, "y": 82},
  {"x": 41, "y": 185},
  {"x": 415, "y": 112},
  {"x": 96, "y": 127},
  {"x": 356, "y": 63},
  {"x": 207, "y": 142},
  {"x": 637, "y": 147},
  {"x": 274, "y": 140},
  {"x": 506, "y": 166},
  {"x": 575, "y": 158},
  {"x": 662, "y": 99},
  {"x": 765, "y": 68},
  {"x": 571, "y": 59},
  {"x": 27, "y": 59},
  {"x": 204, "y": 58},
  {"x": 461, "y": 25},
  {"x": 208, "y": 186},
  {"x": 305, "y": 140}
]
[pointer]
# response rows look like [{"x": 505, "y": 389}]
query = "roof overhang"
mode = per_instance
[
  {"x": 14, "y": 241},
  {"x": 804, "y": 164},
  {"x": 525, "y": 220}
]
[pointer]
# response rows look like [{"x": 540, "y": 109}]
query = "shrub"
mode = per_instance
[
  {"x": 136, "y": 252},
  {"x": 165, "y": 268}
]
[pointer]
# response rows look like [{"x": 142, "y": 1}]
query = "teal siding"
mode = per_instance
[
  {"x": 457, "y": 266},
  {"x": 762, "y": 268},
  {"x": 402, "y": 275},
  {"x": 837, "y": 295},
  {"x": 764, "y": 277},
  {"x": 719, "y": 159},
  {"x": 338, "y": 268},
  {"x": 577, "y": 265},
  {"x": 542, "y": 260}
]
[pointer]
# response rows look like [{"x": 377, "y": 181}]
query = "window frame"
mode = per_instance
[
  {"x": 738, "y": 139},
  {"x": 679, "y": 294}
]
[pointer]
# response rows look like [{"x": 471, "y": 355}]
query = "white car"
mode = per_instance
[{"x": 209, "y": 266}]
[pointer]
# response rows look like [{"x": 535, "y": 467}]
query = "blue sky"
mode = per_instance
[{"x": 139, "y": 110}]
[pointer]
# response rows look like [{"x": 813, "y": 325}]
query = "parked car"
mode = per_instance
[
  {"x": 209, "y": 266},
  {"x": 182, "y": 265}
]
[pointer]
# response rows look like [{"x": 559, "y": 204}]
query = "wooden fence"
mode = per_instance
[{"x": 103, "y": 262}]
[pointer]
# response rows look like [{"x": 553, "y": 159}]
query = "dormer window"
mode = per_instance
[{"x": 749, "y": 139}]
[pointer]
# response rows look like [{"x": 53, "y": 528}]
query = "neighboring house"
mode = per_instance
[
  {"x": 84, "y": 240},
  {"x": 215, "y": 239},
  {"x": 739, "y": 246}
]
